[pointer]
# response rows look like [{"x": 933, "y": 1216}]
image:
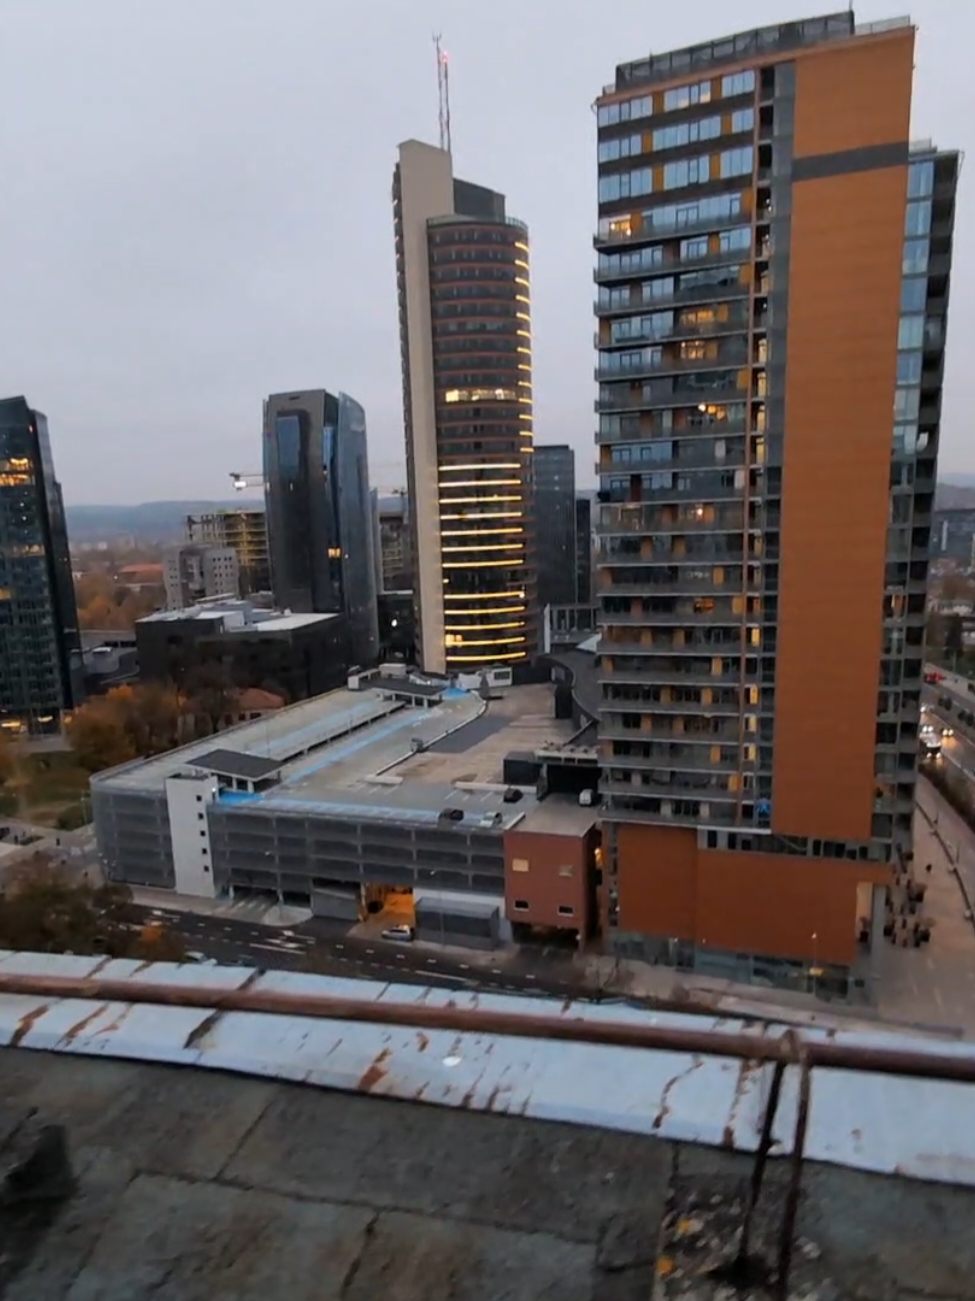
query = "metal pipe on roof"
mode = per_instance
[{"x": 790, "y": 1048}]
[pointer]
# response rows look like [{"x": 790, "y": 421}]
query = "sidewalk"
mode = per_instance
[{"x": 257, "y": 912}]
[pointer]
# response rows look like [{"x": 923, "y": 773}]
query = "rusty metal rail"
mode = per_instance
[{"x": 789, "y": 1049}]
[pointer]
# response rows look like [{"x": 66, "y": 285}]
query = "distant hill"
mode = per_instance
[
  {"x": 953, "y": 494},
  {"x": 151, "y": 521}
]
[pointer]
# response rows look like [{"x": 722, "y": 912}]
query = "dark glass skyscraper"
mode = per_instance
[
  {"x": 319, "y": 518},
  {"x": 555, "y": 523},
  {"x": 40, "y": 649}
]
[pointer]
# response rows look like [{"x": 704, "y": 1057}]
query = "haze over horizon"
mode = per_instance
[{"x": 200, "y": 222}]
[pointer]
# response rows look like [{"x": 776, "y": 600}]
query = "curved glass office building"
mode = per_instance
[{"x": 319, "y": 517}]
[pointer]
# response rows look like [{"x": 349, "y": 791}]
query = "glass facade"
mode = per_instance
[
  {"x": 319, "y": 515},
  {"x": 555, "y": 524},
  {"x": 40, "y": 650}
]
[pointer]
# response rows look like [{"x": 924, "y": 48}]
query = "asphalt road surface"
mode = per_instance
[{"x": 327, "y": 948}]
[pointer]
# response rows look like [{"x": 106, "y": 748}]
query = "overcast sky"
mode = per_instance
[{"x": 196, "y": 207}]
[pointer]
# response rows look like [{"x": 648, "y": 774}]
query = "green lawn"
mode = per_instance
[{"x": 45, "y": 787}]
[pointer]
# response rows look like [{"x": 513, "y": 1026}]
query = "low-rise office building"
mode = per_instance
[
  {"x": 395, "y": 787},
  {"x": 296, "y": 656}
]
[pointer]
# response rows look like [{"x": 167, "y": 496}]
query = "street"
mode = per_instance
[{"x": 326, "y": 947}]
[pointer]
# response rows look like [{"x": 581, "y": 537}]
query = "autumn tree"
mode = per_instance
[
  {"x": 207, "y": 693},
  {"x": 97, "y": 735},
  {"x": 129, "y": 722},
  {"x": 43, "y": 911}
]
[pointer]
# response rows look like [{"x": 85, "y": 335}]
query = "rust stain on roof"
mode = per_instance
[
  {"x": 26, "y": 1024},
  {"x": 375, "y": 1071},
  {"x": 664, "y": 1111},
  {"x": 80, "y": 1026},
  {"x": 422, "y": 1040}
]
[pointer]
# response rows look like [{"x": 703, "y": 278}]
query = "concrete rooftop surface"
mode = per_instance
[
  {"x": 352, "y": 753},
  {"x": 241, "y": 1154}
]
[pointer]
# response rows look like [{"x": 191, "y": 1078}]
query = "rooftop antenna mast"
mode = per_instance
[{"x": 443, "y": 92}]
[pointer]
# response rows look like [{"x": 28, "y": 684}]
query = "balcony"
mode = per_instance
[
  {"x": 730, "y": 357},
  {"x": 684, "y": 615},
  {"x": 614, "y": 648},
  {"x": 728, "y": 730},
  {"x": 682, "y": 762},
  {"x": 655, "y": 676},
  {"x": 694, "y": 454}
]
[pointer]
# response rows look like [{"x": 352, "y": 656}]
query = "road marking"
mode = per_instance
[
  {"x": 370, "y": 952},
  {"x": 401, "y": 957},
  {"x": 340, "y": 946},
  {"x": 529, "y": 976},
  {"x": 465, "y": 966},
  {"x": 431, "y": 962}
]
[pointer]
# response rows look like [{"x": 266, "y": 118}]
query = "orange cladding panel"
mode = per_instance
[
  {"x": 854, "y": 94},
  {"x": 844, "y": 298},
  {"x": 774, "y": 904},
  {"x": 656, "y": 871}
]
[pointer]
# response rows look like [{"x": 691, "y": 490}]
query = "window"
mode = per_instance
[
  {"x": 630, "y": 110},
  {"x": 625, "y": 185},
  {"x": 743, "y": 119},
  {"x": 620, "y": 147},
  {"x": 730, "y": 241},
  {"x": 662, "y": 288},
  {"x": 920, "y": 180},
  {"x": 737, "y": 162},
  {"x": 519, "y": 865},
  {"x": 685, "y": 96},
  {"x": 566, "y": 870},
  {"x": 566, "y": 910},
  {"x": 687, "y": 171},
  {"x": 738, "y": 83},
  {"x": 918, "y": 220},
  {"x": 915, "y": 256},
  {"x": 905, "y": 438},
  {"x": 687, "y": 133},
  {"x": 200, "y": 816},
  {"x": 908, "y": 368},
  {"x": 521, "y": 905},
  {"x": 914, "y": 294},
  {"x": 676, "y": 215},
  {"x": 906, "y": 404},
  {"x": 910, "y": 332},
  {"x": 691, "y": 248},
  {"x": 480, "y": 395}
]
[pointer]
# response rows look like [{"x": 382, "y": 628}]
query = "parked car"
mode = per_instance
[{"x": 398, "y": 934}]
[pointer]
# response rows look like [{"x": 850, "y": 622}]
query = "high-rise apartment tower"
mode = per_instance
[
  {"x": 465, "y": 337},
  {"x": 773, "y": 263}
]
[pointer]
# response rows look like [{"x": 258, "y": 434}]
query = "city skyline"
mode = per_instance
[{"x": 161, "y": 294}]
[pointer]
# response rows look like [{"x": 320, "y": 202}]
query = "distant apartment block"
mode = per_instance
[
  {"x": 555, "y": 523},
  {"x": 245, "y": 532},
  {"x": 196, "y": 573},
  {"x": 462, "y": 279},
  {"x": 773, "y": 258},
  {"x": 319, "y": 512},
  {"x": 393, "y": 545},
  {"x": 41, "y": 672}
]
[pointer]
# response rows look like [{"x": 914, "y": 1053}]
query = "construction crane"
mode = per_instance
[{"x": 242, "y": 482}]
